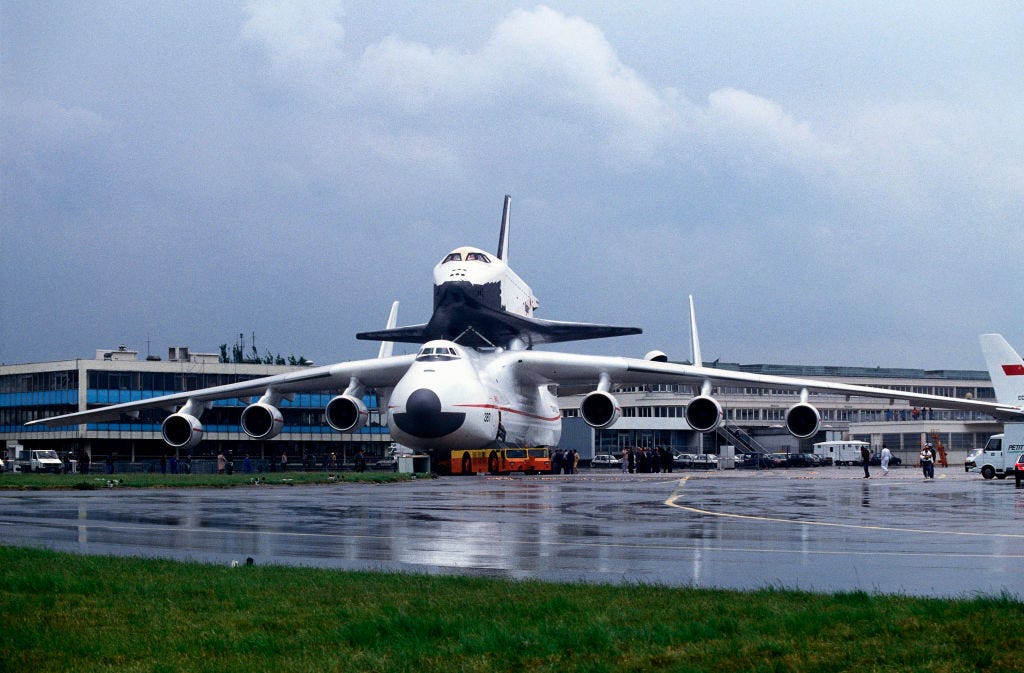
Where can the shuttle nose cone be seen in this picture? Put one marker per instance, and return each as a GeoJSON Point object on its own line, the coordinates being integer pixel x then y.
{"type": "Point", "coordinates": [423, 416]}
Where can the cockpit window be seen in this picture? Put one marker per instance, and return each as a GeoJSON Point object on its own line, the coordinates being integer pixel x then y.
{"type": "Point", "coordinates": [436, 353]}
{"type": "Point", "coordinates": [453, 257]}
{"type": "Point", "coordinates": [477, 257]}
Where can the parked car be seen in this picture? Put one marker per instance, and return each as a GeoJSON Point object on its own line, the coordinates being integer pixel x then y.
{"type": "Point", "coordinates": [605, 460]}
{"type": "Point", "coordinates": [385, 465]}
{"type": "Point", "coordinates": [799, 460]}
{"type": "Point", "coordinates": [705, 461]}
{"type": "Point", "coordinates": [969, 461]}
{"type": "Point", "coordinates": [683, 460]}
{"type": "Point", "coordinates": [755, 461]}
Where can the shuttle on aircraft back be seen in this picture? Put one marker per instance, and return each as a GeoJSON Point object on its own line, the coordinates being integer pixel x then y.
{"type": "Point", "coordinates": [477, 382]}
{"type": "Point", "coordinates": [480, 301]}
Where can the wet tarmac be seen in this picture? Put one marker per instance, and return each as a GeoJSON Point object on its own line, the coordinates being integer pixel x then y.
{"type": "Point", "coordinates": [819, 530]}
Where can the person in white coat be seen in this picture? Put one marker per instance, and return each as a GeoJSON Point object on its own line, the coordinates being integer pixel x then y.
{"type": "Point", "coordinates": [886, 455]}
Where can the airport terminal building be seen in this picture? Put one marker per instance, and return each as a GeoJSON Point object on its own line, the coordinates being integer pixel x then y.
{"type": "Point", "coordinates": [651, 415]}
{"type": "Point", "coordinates": [32, 391]}
{"type": "Point", "coordinates": [754, 418]}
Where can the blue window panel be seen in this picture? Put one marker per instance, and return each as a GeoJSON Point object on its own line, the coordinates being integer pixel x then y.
{"type": "Point", "coordinates": [20, 429]}
{"type": "Point", "coordinates": [39, 398]}
{"type": "Point", "coordinates": [232, 402]}
{"type": "Point", "coordinates": [307, 429]}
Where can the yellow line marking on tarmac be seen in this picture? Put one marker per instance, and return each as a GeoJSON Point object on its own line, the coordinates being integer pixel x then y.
{"type": "Point", "coordinates": [676, 494]}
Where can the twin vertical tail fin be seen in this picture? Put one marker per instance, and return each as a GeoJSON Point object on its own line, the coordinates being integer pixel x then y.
{"type": "Point", "coordinates": [1006, 368]}
{"type": "Point", "coordinates": [694, 341]}
{"type": "Point", "coordinates": [388, 347]}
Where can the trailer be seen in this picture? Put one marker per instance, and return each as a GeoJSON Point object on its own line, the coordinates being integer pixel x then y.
{"type": "Point", "coordinates": [845, 452]}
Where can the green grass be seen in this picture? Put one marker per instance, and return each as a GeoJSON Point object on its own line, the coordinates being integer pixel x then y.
{"type": "Point", "coordinates": [22, 481]}
{"type": "Point", "coordinates": [62, 612]}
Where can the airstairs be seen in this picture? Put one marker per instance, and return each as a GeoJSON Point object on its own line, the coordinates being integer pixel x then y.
{"type": "Point", "coordinates": [741, 439]}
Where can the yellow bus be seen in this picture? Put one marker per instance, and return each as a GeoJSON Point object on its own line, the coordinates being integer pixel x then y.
{"type": "Point", "coordinates": [498, 461]}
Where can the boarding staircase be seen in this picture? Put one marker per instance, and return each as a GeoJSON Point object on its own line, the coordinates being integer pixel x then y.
{"type": "Point", "coordinates": [741, 439]}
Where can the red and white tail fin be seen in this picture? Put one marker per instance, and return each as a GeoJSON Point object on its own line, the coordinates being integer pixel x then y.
{"type": "Point", "coordinates": [1006, 368]}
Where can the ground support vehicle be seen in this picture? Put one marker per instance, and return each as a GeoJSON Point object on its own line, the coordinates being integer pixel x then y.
{"type": "Point", "coordinates": [38, 460]}
{"type": "Point", "coordinates": [531, 460]}
{"type": "Point", "coordinates": [1001, 453]}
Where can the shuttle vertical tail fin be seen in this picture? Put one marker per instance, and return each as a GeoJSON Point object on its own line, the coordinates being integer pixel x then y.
{"type": "Point", "coordinates": [1006, 368]}
{"type": "Point", "coordinates": [503, 236]}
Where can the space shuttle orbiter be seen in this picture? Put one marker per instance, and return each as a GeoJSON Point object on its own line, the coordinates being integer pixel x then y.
{"type": "Point", "coordinates": [480, 301]}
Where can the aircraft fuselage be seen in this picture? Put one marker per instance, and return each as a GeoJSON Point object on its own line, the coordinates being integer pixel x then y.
{"type": "Point", "coordinates": [460, 398]}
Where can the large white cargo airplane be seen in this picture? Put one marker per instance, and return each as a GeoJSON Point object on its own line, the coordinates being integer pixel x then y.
{"type": "Point", "coordinates": [477, 382]}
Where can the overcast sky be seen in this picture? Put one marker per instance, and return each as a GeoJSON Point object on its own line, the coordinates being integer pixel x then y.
{"type": "Point", "coordinates": [835, 182]}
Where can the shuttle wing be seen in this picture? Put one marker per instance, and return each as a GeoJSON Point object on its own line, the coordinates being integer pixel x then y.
{"type": "Point", "coordinates": [476, 325]}
{"type": "Point", "coordinates": [377, 373]}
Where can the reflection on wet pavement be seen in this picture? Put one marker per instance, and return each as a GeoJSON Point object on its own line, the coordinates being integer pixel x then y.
{"type": "Point", "coordinates": [955, 536]}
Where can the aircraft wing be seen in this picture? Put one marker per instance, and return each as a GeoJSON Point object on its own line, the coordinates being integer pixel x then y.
{"type": "Point", "coordinates": [538, 368]}
{"type": "Point", "coordinates": [376, 373]}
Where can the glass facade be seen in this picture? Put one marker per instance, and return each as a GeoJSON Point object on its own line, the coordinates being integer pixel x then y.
{"type": "Point", "coordinates": [31, 395]}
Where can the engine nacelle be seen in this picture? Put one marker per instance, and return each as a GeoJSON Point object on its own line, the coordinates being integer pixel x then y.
{"type": "Point", "coordinates": [262, 420]}
{"type": "Point", "coordinates": [802, 420]}
{"type": "Point", "coordinates": [656, 356]}
{"type": "Point", "coordinates": [182, 431]}
{"type": "Point", "coordinates": [346, 413]}
{"type": "Point", "coordinates": [704, 413]}
{"type": "Point", "coordinates": [600, 409]}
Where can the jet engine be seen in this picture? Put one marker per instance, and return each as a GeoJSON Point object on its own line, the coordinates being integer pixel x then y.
{"type": "Point", "coordinates": [346, 413]}
{"type": "Point", "coordinates": [262, 420]}
{"type": "Point", "coordinates": [182, 431]}
{"type": "Point", "coordinates": [802, 420]}
{"type": "Point", "coordinates": [600, 409]}
{"type": "Point", "coordinates": [704, 413]}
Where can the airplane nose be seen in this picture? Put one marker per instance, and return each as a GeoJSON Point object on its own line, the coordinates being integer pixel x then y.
{"type": "Point", "coordinates": [423, 416]}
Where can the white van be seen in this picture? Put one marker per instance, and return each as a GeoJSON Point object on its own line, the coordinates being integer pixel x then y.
{"type": "Point", "coordinates": [39, 460]}
{"type": "Point", "coordinates": [840, 452]}
{"type": "Point", "coordinates": [1001, 452]}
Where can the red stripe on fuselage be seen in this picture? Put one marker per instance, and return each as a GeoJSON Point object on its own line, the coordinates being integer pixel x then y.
{"type": "Point", "coordinates": [549, 419]}
{"type": "Point", "coordinates": [1013, 370]}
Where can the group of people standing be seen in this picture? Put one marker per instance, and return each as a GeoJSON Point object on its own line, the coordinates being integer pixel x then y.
{"type": "Point", "coordinates": [927, 457]}
{"type": "Point", "coordinates": [226, 463]}
{"type": "Point", "coordinates": [646, 460]}
{"type": "Point", "coordinates": [565, 462]}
